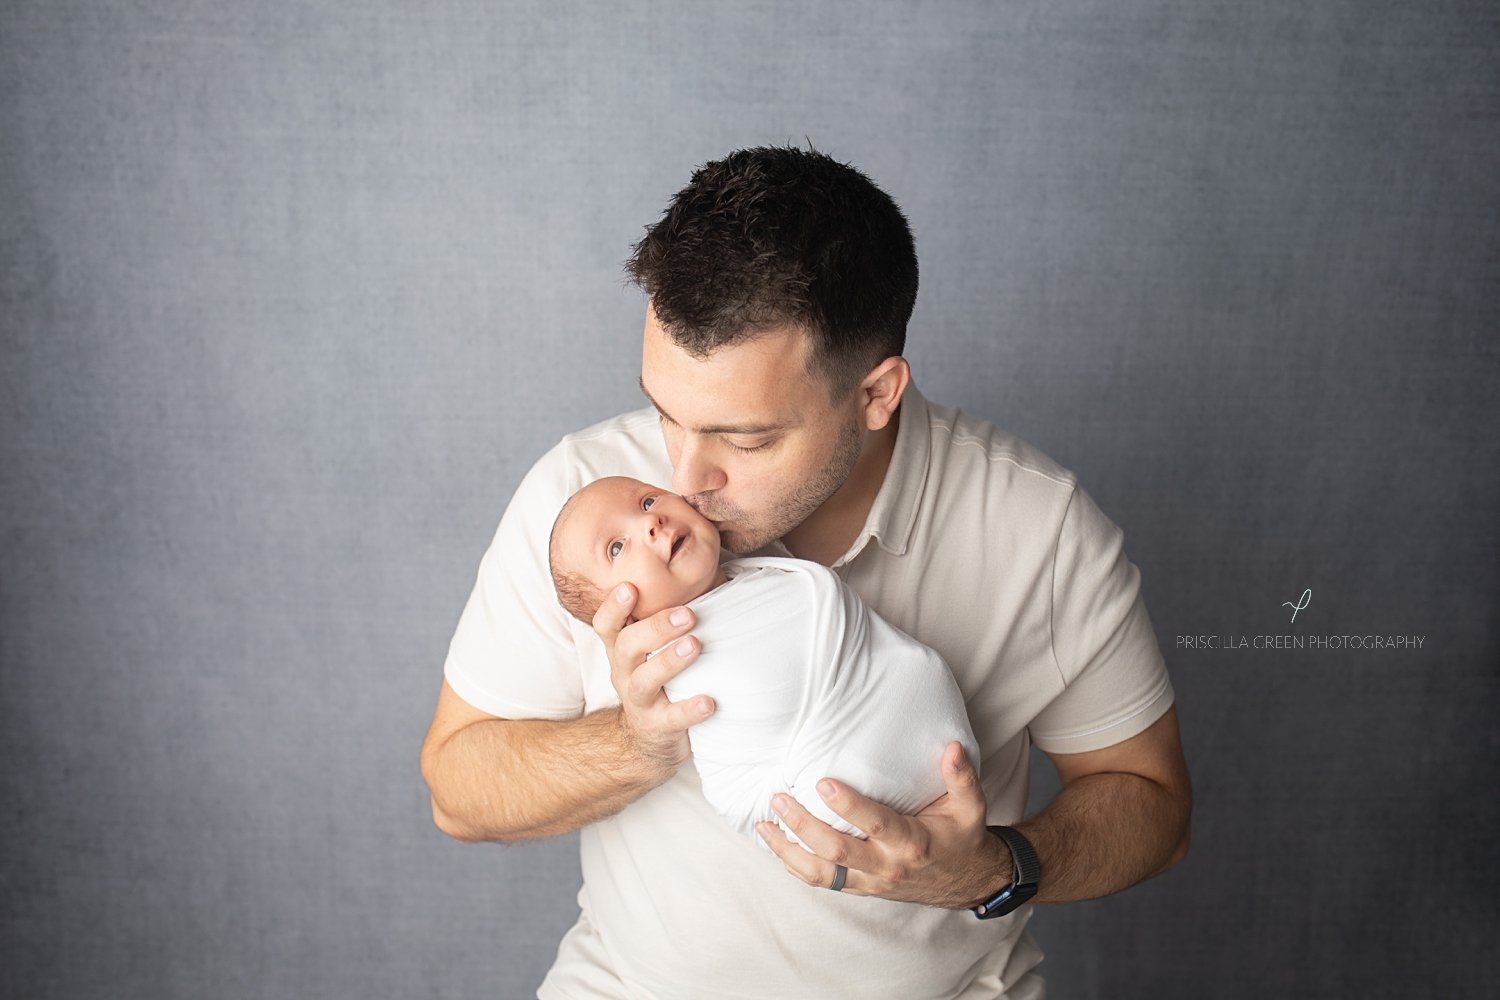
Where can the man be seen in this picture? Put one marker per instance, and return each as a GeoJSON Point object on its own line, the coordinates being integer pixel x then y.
{"type": "Point", "coordinates": [780, 284]}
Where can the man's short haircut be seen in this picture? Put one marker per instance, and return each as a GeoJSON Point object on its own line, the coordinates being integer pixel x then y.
{"type": "Point", "coordinates": [575, 593]}
{"type": "Point", "coordinates": [773, 236]}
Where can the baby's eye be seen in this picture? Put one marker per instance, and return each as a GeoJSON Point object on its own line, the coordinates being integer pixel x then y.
{"type": "Point", "coordinates": [647, 503]}
{"type": "Point", "coordinates": [615, 547]}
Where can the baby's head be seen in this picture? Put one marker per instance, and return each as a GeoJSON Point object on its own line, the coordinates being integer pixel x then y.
{"type": "Point", "coordinates": [618, 530]}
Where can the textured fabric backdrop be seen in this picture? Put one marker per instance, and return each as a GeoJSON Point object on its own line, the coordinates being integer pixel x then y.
{"type": "Point", "coordinates": [294, 293]}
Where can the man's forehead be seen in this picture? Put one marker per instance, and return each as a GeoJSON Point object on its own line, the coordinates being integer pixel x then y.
{"type": "Point", "coordinates": [745, 388]}
{"type": "Point", "coordinates": [714, 416]}
{"type": "Point", "coordinates": [752, 386]}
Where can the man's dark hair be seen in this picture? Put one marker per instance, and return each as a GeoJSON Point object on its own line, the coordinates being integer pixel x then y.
{"type": "Point", "coordinates": [773, 236]}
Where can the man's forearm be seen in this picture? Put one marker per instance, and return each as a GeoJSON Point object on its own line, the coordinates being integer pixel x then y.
{"type": "Point", "coordinates": [524, 779]}
{"type": "Point", "coordinates": [1104, 833]}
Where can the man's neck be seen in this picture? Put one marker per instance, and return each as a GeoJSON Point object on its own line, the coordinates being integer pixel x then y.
{"type": "Point", "coordinates": [831, 529]}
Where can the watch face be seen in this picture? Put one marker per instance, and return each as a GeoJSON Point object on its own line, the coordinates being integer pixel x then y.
{"type": "Point", "coordinates": [991, 906]}
{"type": "Point", "coordinates": [1004, 901]}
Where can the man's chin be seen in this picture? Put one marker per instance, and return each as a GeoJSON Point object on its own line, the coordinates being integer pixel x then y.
{"type": "Point", "coordinates": [739, 543]}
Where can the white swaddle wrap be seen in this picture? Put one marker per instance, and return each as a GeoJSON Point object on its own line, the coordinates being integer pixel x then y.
{"type": "Point", "coordinates": [810, 683]}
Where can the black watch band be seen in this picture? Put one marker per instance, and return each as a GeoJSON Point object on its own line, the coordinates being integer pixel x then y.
{"type": "Point", "coordinates": [1028, 874]}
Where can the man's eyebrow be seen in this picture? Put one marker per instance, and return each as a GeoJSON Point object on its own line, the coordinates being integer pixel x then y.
{"type": "Point", "coordinates": [718, 428]}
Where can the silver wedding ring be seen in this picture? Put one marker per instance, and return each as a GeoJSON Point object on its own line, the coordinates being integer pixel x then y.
{"type": "Point", "coordinates": [840, 873]}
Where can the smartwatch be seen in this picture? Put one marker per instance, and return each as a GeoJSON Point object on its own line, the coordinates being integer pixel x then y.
{"type": "Point", "coordinates": [1023, 885]}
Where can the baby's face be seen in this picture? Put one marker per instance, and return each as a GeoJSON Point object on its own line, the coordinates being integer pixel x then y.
{"type": "Point", "coordinates": [624, 531]}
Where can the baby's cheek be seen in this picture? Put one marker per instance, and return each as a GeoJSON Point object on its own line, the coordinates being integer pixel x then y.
{"type": "Point", "coordinates": [656, 593]}
{"type": "Point", "coordinates": [676, 591]}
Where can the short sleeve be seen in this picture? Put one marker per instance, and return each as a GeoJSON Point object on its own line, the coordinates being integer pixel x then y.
{"type": "Point", "coordinates": [512, 654]}
{"type": "Point", "coordinates": [1115, 682]}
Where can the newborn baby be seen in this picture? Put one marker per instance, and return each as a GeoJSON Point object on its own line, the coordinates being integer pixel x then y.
{"type": "Point", "coordinates": [808, 681]}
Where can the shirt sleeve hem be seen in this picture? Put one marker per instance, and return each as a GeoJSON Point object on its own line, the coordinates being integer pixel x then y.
{"type": "Point", "coordinates": [1117, 731]}
{"type": "Point", "coordinates": [502, 707]}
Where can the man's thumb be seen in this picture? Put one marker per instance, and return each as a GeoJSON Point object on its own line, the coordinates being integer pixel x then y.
{"type": "Point", "coordinates": [962, 779]}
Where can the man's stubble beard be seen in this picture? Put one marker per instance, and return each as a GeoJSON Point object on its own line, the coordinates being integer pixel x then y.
{"type": "Point", "coordinates": [796, 507]}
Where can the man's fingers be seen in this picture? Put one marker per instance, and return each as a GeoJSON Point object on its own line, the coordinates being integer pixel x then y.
{"type": "Point", "coordinates": [630, 643]}
{"type": "Point", "coordinates": [635, 642]}
{"type": "Point", "coordinates": [683, 714]}
{"type": "Point", "coordinates": [647, 680]}
{"type": "Point", "coordinates": [802, 863]}
{"type": "Point", "coordinates": [919, 858]}
{"type": "Point", "coordinates": [614, 612]}
{"type": "Point", "coordinates": [659, 725]}
{"type": "Point", "coordinates": [875, 820]}
{"type": "Point", "coordinates": [820, 838]}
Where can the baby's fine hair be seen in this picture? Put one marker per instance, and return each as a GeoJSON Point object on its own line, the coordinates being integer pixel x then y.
{"type": "Point", "coordinates": [575, 593]}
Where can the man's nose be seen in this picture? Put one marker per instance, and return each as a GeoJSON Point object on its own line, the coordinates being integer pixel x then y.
{"type": "Point", "coordinates": [693, 473]}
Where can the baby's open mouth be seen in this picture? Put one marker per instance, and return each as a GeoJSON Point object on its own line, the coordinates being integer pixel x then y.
{"type": "Point", "coordinates": [681, 540]}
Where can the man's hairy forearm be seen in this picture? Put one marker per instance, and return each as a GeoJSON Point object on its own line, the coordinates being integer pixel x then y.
{"type": "Point", "coordinates": [523, 779]}
{"type": "Point", "coordinates": [1106, 832]}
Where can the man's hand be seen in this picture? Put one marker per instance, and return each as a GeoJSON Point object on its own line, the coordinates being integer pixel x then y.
{"type": "Point", "coordinates": [519, 779]}
{"type": "Point", "coordinates": [1122, 816]}
{"type": "Point", "coordinates": [942, 856]}
{"type": "Point", "coordinates": [654, 726]}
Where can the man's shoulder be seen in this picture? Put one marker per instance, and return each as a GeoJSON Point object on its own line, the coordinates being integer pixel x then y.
{"type": "Point", "coordinates": [629, 444]}
{"type": "Point", "coordinates": [966, 447]}
{"type": "Point", "coordinates": [625, 434]}
{"type": "Point", "coordinates": [630, 424]}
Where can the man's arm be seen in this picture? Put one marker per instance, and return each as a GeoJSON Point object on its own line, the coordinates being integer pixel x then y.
{"type": "Point", "coordinates": [1122, 816]}
{"type": "Point", "coordinates": [520, 779]}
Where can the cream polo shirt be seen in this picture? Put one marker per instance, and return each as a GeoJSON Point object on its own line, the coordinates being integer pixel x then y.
{"type": "Point", "coordinates": [985, 550]}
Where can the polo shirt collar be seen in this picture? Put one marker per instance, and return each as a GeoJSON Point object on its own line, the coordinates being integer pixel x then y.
{"type": "Point", "coordinates": [893, 515]}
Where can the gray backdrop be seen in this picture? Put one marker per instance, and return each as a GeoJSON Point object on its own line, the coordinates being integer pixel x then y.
{"type": "Point", "coordinates": [293, 294]}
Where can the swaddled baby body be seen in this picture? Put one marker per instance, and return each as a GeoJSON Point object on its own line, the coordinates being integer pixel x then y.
{"type": "Point", "coordinates": [808, 681]}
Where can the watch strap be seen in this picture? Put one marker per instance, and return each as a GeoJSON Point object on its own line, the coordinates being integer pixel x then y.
{"type": "Point", "coordinates": [1024, 882]}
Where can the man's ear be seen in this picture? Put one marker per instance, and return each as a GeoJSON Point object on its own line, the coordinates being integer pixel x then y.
{"type": "Point", "coordinates": [883, 388]}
